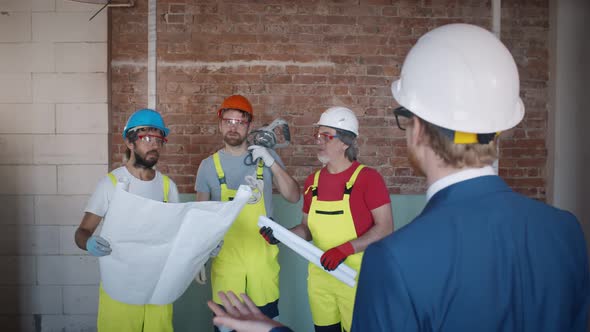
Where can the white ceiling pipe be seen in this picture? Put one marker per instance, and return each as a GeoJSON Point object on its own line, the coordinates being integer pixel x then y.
{"type": "Point", "coordinates": [496, 17]}
{"type": "Point", "coordinates": [152, 40]}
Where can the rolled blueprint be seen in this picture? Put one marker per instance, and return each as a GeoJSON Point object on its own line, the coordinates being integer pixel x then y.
{"type": "Point", "coordinates": [307, 250]}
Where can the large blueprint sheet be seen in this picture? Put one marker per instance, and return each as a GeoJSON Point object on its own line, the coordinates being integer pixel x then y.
{"type": "Point", "coordinates": [158, 248]}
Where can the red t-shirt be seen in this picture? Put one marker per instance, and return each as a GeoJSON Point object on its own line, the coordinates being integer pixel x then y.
{"type": "Point", "coordinates": [369, 192]}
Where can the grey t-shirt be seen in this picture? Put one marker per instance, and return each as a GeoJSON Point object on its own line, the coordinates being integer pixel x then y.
{"type": "Point", "coordinates": [235, 172]}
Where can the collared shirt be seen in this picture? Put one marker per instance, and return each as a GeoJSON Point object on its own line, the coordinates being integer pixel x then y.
{"type": "Point", "coordinates": [457, 177]}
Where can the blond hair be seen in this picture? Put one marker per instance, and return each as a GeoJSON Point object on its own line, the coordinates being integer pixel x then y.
{"type": "Point", "coordinates": [459, 155]}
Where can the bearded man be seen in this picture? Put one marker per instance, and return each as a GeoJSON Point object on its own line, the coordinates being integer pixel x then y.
{"type": "Point", "coordinates": [145, 135]}
{"type": "Point", "coordinates": [246, 263]}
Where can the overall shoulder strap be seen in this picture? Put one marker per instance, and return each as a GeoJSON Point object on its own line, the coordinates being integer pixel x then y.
{"type": "Point", "coordinates": [113, 178]}
{"type": "Point", "coordinates": [260, 170]}
{"type": "Point", "coordinates": [166, 187]}
{"type": "Point", "coordinates": [314, 186]}
{"type": "Point", "coordinates": [219, 171]}
{"type": "Point", "coordinates": [352, 179]}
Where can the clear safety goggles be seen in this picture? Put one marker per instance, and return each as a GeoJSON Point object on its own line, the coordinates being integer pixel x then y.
{"type": "Point", "coordinates": [149, 138]}
{"type": "Point", "coordinates": [235, 122]}
{"type": "Point", "coordinates": [325, 137]}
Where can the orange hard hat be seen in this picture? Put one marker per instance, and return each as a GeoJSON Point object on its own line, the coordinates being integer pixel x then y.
{"type": "Point", "coordinates": [236, 102]}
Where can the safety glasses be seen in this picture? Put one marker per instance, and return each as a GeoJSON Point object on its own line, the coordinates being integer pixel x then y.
{"type": "Point", "coordinates": [149, 138]}
{"type": "Point", "coordinates": [235, 122]}
{"type": "Point", "coordinates": [325, 137]}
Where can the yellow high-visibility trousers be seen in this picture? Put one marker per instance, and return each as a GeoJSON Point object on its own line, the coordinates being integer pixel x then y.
{"type": "Point", "coordinates": [115, 316]}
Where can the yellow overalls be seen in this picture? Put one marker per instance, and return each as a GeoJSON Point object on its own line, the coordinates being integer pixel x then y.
{"type": "Point", "coordinates": [331, 224]}
{"type": "Point", "coordinates": [115, 316]}
{"type": "Point", "coordinates": [246, 263]}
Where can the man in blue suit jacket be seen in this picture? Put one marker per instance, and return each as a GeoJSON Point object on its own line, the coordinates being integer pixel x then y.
{"type": "Point", "coordinates": [480, 257]}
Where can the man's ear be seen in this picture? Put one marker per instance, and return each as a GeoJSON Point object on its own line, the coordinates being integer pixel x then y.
{"type": "Point", "coordinates": [415, 131]}
{"type": "Point", "coordinates": [346, 146]}
{"type": "Point", "coordinates": [129, 145]}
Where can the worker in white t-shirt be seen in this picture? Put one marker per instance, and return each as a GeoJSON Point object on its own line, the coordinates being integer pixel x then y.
{"type": "Point", "coordinates": [145, 135]}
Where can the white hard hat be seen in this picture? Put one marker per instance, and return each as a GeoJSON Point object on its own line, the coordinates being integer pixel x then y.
{"type": "Point", "coordinates": [340, 118]}
{"type": "Point", "coordinates": [461, 77]}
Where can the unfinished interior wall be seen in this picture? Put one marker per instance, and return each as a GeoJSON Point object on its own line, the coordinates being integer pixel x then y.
{"type": "Point", "coordinates": [291, 58]}
{"type": "Point", "coordinates": [294, 59]}
{"type": "Point", "coordinates": [53, 142]}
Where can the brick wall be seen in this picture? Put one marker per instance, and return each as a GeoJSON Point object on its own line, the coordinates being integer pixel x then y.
{"type": "Point", "coordinates": [293, 59]}
{"type": "Point", "coordinates": [523, 153]}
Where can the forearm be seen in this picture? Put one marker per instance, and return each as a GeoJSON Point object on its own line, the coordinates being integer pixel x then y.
{"type": "Point", "coordinates": [87, 227]}
{"type": "Point", "coordinates": [374, 234]}
{"type": "Point", "coordinates": [203, 196]}
{"type": "Point", "coordinates": [302, 231]}
{"type": "Point", "coordinates": [383, 219]}
{"type": "Point", "coordinates": [287, 186]}
{"type": "Point", "coordinates": [81, 237]}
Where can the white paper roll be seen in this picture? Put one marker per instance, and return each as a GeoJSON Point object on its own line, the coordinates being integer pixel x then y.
{"type": "Point", "coordinates": [307, 250]}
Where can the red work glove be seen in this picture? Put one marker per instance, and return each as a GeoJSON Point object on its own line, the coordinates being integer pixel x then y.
{"type": "Point", "coordinates": [266, 233]}
{"type": "Point", "coordinates": [335, 256]}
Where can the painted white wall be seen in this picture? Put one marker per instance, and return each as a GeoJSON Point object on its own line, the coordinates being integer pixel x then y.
{"type": "Point", "coordinates": [569, 119]}
{"type": "Point", "coordinates": [53, 148]}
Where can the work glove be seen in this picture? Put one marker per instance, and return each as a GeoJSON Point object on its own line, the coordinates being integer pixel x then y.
{"type": "Point", "coordinates": [98, 246]}
{"type": "Point", "coordinates": [201, 277]}
{"type": "Point", "coordinates": [261, 152]}
{"type": "Point", "coordinates": [217, 249]}
{"type": "Point", "coordinates": [257, 187]}
{"type": "Point", "coordinates": [266, 233]}
{"type": "Point", "coordinates": [335, 256]}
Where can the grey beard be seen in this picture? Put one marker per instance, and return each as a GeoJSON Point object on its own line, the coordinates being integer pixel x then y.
{"type": "Point", "coordinates": [323, 160]}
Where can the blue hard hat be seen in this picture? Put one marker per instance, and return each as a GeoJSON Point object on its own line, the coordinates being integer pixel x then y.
{"type": "Point", "coordinates": [145, 118]}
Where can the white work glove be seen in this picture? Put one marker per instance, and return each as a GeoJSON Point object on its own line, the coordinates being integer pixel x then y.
{"type": "Point", "coordinates": [257, 187]}
{"type": "Point", "coordinates": [201, 277]}
{"type": "Point", "coordinates": [261, 152]}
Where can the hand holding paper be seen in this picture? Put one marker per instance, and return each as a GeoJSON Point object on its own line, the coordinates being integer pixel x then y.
{"type": "Point", "coordinates": [98, 246]}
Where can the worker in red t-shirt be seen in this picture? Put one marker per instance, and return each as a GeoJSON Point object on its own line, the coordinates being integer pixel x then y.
{"type": "Point", "coordinates": [346, 207]}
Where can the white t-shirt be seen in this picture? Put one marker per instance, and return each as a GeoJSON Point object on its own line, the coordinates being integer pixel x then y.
{"type": "Point", "coordinates": [98, 203]}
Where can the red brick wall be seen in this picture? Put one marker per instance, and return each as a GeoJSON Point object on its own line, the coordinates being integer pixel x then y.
{"type": "Point", "coordinates": [523, 152]}
{"type": "Point", "coordinates": [293, 59]}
